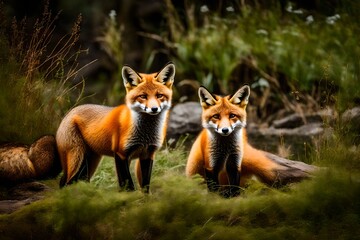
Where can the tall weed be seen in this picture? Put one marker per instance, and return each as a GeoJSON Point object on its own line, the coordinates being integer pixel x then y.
{"type": "Point", "coordinates": [36, 77]}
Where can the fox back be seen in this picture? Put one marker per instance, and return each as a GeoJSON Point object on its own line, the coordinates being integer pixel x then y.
{"type": "Point", "coordinates": [135, 129]}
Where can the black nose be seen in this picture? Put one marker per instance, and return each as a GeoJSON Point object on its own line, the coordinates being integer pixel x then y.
{"type": "Point", "coordinates": [154, 109]}
{"type": "Point", "coordinates": [225, 130]}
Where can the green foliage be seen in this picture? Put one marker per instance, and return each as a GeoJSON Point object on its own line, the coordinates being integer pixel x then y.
{"type": "Point", "coordinates": [211, 53]}
{"type": "Point", "coordinates": [315, 55]}
{"type": "Point", "coordinates": [325, 207]}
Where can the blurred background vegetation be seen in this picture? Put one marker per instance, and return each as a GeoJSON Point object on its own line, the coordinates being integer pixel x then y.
{"type": "Point", "coordinates": [300, 56]}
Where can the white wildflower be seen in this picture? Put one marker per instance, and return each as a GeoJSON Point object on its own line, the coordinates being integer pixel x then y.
{"type": "Point", "coordinates": [309, 19]}
{"type": "Point", "coordinates": [112, 14]}
{"type": "Point", "coordinates": [332, 19]}
{"type": "Point", "coordinates": [204, 9]}
{"type": "Point", "coordinates": [230, 9]}
{"type": "Point", "coordinates": [262, 32]}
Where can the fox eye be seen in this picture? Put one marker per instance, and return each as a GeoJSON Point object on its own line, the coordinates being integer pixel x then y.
{"type": "Point", "coordinates": [232, 115]}
{"type": "Point", "coordinates": [143, 96]}
{"type": "Point", "coordinates": [159, 95]}
{"type": "Point", "coordinates": [216, 116]}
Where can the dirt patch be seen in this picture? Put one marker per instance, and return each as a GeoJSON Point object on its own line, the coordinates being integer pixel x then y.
{"type": "Point", "coordinates": [16, 196]}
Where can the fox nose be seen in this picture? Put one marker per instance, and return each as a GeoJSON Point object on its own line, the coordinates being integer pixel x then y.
{"type": "Point", "coordinates": [225, 130]}
{"type": "Point", "coordinates": [154, 109]}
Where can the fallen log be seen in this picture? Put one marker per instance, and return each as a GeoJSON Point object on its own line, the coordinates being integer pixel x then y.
{"type": "Point", "coordinates": [290, 171]}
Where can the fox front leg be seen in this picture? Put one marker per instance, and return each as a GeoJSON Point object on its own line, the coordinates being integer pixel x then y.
{"type": "Point", "coordinates": [212, 178]}
{"type": "Point", "coordinates": [146, 163]}
{"type": "Point", "coordinates": [233, 171]}
{"type": "Point", "coordinates": [123, 173]}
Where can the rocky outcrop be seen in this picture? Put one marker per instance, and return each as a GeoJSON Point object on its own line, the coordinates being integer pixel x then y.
{"type": "Point", "coordinates": [296, 132]}
{"type": "Point", "coordinates": [351, 119]}
{"type": "Point", "coordinates": [184, 118]}
{"type": "Point", "coordinates": [297, 120]}
{"type": "Point", "coordinates": [350, 122]}
{"type": "Point", "coordinates": [297, 140]}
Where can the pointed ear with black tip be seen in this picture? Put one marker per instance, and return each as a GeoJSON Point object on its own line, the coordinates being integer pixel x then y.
{"type": "Point", "coordinates": [206, 98]}
{"type": "Point", "coordinates": [241, 97]}
{"type": "Point", "coordinates": [166, 75]}
{"type": "Point", "coordinates": [130, 77]}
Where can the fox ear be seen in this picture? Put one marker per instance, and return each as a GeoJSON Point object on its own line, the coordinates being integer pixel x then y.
{"type": "Point", "coordinates": [130, 77]}
{"type": "Point", "coordinates": [241, 97]}
{"type": "Point", "coordinates": [167, 74]}
{"type": "Point", "coordinates": [206, 98]}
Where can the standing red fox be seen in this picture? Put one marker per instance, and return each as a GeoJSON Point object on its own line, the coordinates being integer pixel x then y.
{"type": "Point", "coordinates": [222, 154]}
{"type": "Point", "coordinates": [132, 130]}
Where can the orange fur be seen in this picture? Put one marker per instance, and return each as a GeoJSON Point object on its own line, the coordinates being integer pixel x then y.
{"type": "Point", "coordinates": [228, 113]}
{"type": "Point", "coordinates": [20, 163]}
{"type": "Point", "coordinates": [132, 130]}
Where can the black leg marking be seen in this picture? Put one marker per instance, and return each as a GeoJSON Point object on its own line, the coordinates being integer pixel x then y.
{"type": "Point", "coordinates": [212, 180]}
{"type": "Point", "coordinates": [123, 172]}
{"type": "Point", "coordinates": [63, 180]}
{"type": "Point", "coordinates": [146, 164]}
{"type": "Point", "coordinates": [146, 168]}
{"type": "Point", "coordinates": [233, 172]}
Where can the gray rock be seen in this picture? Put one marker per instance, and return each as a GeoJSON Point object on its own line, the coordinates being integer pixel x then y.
{"type": "Point", "coordinates": [291, 132]}
{"type": "Point", "coordinates": [299, 139]}
{"type": "Point", "coordinates": [184, 118]}
{"type": "Point", "coordinates": [296, 120]}
{"type": "Point", "coordinates": [351, 119]}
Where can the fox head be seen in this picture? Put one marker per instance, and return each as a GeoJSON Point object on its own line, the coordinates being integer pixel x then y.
{"type": "Point", "coordinates": [224, 115]}
{"type": "Point", "coordinates": [149, 93]}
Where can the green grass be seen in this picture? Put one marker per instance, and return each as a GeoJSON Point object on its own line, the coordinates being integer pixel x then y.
{"type": "Point", "coordinates": [326, 207]}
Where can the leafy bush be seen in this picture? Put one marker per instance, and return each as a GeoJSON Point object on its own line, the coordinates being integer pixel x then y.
{"type": "Point", "coordinates": [305, 57]}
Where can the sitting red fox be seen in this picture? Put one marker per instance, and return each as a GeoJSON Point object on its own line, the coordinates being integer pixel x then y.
{"type": "Point", "coordinates": [222, 154]}
{"type": "Point", "coordinates": [133, 130]}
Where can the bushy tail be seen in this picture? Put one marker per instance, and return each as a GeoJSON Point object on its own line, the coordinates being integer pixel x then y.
{"type": "Point", "coordinates": [15, 164]}
{"type": "Point", "coordinates": [20, 163]}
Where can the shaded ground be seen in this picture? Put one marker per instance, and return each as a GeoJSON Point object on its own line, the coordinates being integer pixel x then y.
{"type": "Point", "coordinates": [14, 197]}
